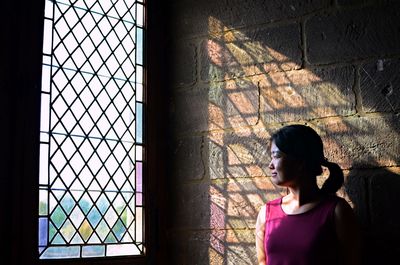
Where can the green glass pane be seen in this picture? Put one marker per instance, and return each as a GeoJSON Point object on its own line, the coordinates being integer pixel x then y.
{"type": "Point", "coordinates": [58, 240]}
{"type": "Point", "coordinates": [111, 238]}
{"type": "Point", "coordinates": [52, 231]}
{"type": "Point", "coordinates": [58, 217]}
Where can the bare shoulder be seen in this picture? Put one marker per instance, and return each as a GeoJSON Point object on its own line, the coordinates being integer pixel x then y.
{"type": "Point", "coordinates": [261, 214]}
{"type": "Point", "coordinates": [262, 209]}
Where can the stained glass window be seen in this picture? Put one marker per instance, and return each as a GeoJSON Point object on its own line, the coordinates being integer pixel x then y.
{"type": "Point", "coordinates": [92, 136]}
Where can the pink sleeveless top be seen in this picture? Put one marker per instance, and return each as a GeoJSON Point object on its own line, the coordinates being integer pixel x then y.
{"type": "Point", "coordinates": [302, 239]}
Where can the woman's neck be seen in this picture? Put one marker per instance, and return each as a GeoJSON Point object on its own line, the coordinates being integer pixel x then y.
{"type": "Point", "coordinates": [303, 194]}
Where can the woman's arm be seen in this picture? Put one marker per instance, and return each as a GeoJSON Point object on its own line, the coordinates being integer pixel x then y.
{"type": "Point", "coordinates": [260, 228]}
{"type": "Point", "coordinates": [348, 232]}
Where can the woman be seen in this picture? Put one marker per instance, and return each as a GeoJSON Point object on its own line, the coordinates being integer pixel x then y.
{"type": "Point", "coordinates": [310, 225]}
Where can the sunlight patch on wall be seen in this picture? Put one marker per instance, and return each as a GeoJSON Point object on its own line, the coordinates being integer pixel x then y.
{"type": "Point", "coordinates": [252, 89]}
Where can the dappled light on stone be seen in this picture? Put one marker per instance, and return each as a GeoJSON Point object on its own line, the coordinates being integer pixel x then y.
{"type": "Point", "coordinates": [256, 71]}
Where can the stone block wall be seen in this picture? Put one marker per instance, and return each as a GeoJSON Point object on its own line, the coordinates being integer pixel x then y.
{"type": "Point", "coordinates": [242, 69]}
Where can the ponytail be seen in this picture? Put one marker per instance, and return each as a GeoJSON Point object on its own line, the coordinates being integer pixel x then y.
{"type": "Point", "coordinates": [335, 179]}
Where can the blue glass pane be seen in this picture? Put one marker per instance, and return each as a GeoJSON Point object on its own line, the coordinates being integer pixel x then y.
{"type": "Point", "coordinates": [94, 217]}
{"type": "Point", "coordinates": [139, 123]}
{"type": "Point", "coordinates": [61, 252]}
{"type": "Point", "coordinates": [93, 251]}
{"type": "Point", "coordinates": [119, 229]}
{"type": "Point", "coordinates": [41, 249]}
{"type": "Point", "coordinates": [103, 204]}
{"type": "Point", "coordinates": [68, 203]}
{"type": "Point", "coordinates": [85, 205]}
{"type": "Point", "coordinates": [43, 226]}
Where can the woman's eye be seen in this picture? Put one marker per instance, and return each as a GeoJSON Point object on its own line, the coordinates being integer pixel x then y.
{"type": "Point", "coordinates": [276, 154]}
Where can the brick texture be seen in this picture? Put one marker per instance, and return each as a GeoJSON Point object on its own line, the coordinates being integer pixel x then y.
{"type": "Point", "coordinates": [240, 153]}
{"type": "Point", "coordinates": [353, 34]}
{"type": "Point", "coordinates": [187, 164]}
{"type": "Point", "coordinates": [222, 105]}
{"type": "Point", "coordinates": [242, 69]}
{"type": "Point", "coordinates": [244, 53]}
{"type": "Point", "coordinates": [380, 86]}
{"type": "Point", "coordinates": [307, 94]}
{"type": "Point", "coordinates": [229, 204]}
{"type": "Point", "coordinates": [194, 18]}
{"type": "Point", "coordinates": [184, 60]}
{"type": "Point", "coordinates": [215, 247]}
{"type": "Point", "coordinates": [362, 142]}
{"type": "Point", "coordinates": [356, 191]}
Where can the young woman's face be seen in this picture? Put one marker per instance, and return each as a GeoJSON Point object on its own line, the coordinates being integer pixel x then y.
{"type": "Point", "coordinates": [284, 169]}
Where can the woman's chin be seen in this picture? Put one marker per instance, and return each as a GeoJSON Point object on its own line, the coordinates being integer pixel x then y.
{"type": "Point", "coordinates": [274, 179]}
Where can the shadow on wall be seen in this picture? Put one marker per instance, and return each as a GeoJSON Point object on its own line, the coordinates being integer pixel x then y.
{"type": "Point", "coordinates": [254, 80]}
{"type": "Point", "coordinates": [377, 212]}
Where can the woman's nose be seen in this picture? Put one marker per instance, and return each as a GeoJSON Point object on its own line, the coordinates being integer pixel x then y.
{"type": "Point", "coordinates": [271, 166]}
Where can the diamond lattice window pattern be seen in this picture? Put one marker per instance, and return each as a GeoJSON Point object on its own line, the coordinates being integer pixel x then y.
{"type": "Point", "coordinates": [91, 134]}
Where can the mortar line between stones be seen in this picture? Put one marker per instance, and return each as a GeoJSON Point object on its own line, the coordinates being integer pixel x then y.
{"type": "Point", "coordinates": [357, 91]}
{"type": "Point", "coordinates": [202, 156]}
{"type": "Point", "coordinates": [303, 39]}
{"type": "Point", "coordinates": [259, 104]}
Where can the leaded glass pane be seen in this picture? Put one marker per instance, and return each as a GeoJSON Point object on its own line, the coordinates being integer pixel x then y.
{"type": "Point", "coordinates": [92, 130]}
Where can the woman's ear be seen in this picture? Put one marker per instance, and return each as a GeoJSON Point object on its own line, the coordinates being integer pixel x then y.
{"type": "Point", "coordinates": [301, 166]}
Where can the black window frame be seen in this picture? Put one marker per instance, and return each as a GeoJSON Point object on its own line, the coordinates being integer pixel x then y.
{"type": "Point", "coordinates": [20, 79]}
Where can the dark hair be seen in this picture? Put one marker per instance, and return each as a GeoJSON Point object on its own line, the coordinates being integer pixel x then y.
{"type": "Point", "coordinates": [302, 142]}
